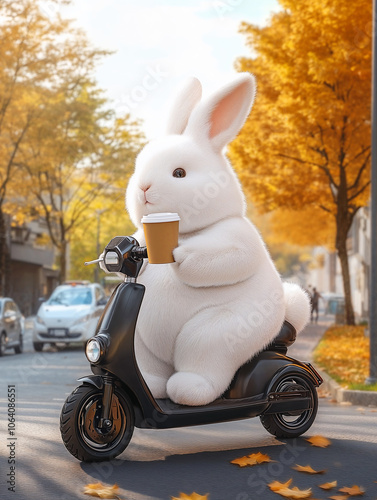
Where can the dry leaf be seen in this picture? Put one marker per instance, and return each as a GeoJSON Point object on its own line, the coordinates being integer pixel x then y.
{"type": "Point", "coordinates": [308, 469]}
{"type": "Point", "coordinates": [328, 486]}
{"type": "Point", "coordinates": [253, 459]}
{"type": "Point", "coordinates": [101, 491]}
{"type": "Point", "coordinates": [244, 461]}
{"type": "Point", "coordinates": [339, 497]}
{"type": "Point", "coordinates": [276, 486]}
{"type": "Point", "coordinates": [193, 496]}
{"type": "Point", "coordinates": [320, 441]}
{"type": "Point", "coordinates": [294, 492]}
{"type": "Point", "coordinates": [261, 458]}
{"type": "Point", "coordinates": [354, 491]}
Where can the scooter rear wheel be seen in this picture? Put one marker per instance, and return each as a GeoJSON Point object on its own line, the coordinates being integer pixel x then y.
{"type": "Point", "coordinates": [290, 425]}
{"type": "Point", "coordinates": [79, 424]}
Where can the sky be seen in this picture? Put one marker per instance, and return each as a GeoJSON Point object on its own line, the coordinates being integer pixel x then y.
{"type": "Point", "coordinates": [158, 44]}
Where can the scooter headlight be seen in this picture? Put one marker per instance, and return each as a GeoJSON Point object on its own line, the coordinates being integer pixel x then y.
{"type": "Point", "coordinates": [93, 350]}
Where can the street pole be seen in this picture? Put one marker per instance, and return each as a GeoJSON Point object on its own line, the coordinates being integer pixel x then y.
{"type": "Point", "coordinates": [373, 211]}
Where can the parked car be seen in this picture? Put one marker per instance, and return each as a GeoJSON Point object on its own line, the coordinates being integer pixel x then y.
{"type": "Point", "coordinates": [11, 326]}
{"type": "Point", "coordinates": [69, 315]}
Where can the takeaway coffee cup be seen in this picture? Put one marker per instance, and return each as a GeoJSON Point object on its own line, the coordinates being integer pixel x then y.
{"type": "Point", "coordinates": [161, 235]}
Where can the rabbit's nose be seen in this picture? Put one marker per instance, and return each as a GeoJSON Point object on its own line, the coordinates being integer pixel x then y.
{"type": "Point", "coordinates": [145, 189]}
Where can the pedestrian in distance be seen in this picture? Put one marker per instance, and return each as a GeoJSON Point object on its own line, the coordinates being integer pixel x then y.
{"type": "Point", "coordinates": [315, 296]}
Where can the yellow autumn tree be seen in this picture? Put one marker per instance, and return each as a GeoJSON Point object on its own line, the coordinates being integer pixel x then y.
{"type": "Point", "coordinates": [61, 144]}
{"type": "Point", "coordinates": [79, 163]}
{"type": "Point", "coordinates": [36, 54]}
{"type": "Point", "coordinates": [307, 141]}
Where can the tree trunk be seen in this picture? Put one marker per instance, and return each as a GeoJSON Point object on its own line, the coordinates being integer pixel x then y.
{"type": "Point", "coordinates": [63, 261]}
{"type": "Point", "coordinates": [4, 257]}
{"type": "Point", "coordinates": [341, 246]}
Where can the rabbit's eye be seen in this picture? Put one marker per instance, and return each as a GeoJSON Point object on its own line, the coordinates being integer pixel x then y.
{"type": "Point", "coordinates": [179, 172]}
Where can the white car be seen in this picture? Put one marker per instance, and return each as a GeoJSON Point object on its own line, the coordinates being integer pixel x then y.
{"type": "Point", "coordinates": [70, 315]}
{"type": "Point", "coordinates": [11, 326]}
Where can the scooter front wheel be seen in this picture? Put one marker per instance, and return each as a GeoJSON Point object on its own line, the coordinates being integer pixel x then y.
{"type": "Point", "coordinates": [79, 424]}
{"type": "Point", "coordinates": [292, 424]}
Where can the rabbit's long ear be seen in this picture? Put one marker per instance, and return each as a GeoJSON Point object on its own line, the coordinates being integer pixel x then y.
{"type": "Point", "coordinates": [220, 118]}
{"type": "Point", "coordinates": [183, 105]}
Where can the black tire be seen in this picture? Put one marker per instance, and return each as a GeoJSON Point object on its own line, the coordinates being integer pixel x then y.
{"type": "Point", "coordinates": [78, 427]}
{"type": "Point", "coordinates": [18, 349]}
{"type": "Point", "coordinates": [38, 346]}
{"type": "Point", "coordinates": [291, 425]}
{"type": "Point", "coordinates": [3, 346]}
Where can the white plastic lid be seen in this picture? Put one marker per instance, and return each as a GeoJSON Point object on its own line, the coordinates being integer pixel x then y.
{"type": "Point", "coordinates": [160, 217]}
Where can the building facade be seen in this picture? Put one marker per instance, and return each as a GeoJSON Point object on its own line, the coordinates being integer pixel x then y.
{"type": "Point", "coordinates": [327, 277]}
{"type": "Point", "coordinates": [33, 274]}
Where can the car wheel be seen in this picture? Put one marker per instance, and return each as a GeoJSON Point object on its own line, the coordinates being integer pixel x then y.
{"type": "Point", "coordinates": [18, 349]}
{"type": "Point", "coordinates": [3, 344]}
{"type": "Point", "coordinates": [38, 346]}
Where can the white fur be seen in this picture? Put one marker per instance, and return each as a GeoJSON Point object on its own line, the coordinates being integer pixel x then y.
{"type": "Point", "coordinates": [222, 300]}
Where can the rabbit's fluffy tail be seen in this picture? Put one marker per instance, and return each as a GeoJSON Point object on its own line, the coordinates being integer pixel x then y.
{"type": "Point", "coordinates": [297, 306]}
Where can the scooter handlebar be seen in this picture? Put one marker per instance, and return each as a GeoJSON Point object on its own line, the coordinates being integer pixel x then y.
{"type": "Point", "coordinates": [122, 254]}
{"type": "Point", "coordinates": [139, 253]}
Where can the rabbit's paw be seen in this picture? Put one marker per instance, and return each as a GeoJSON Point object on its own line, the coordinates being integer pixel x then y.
{"type": "Point", "coordinates": [181, 253]}
{"type": "Point", "coordinates": [190, 389]}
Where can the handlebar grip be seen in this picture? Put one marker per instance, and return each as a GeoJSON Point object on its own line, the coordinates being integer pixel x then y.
{"type": "Point", "coordinates": [139, 253]}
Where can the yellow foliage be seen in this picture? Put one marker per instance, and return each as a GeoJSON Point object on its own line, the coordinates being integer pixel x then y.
{"type": "Point", "coordinates": [61, 149]}
{"type": "Point", "coordinates": [193, 496]}
{"type": "Point", "coordinates": [276, 485]}
{"type": "Point", "coordinates": [306, 227]}
{"type": "Point", "coordinates": [102, 491]}
{"type": "Point", "coordinates": [320, 441]}
{"type": "Point", "coordinates": [306, 144]}
{"type": "Point", "coordinates": [253, 459]}
{"type": "Point", "coordinates": [354, 491]}
{"type": "Point", "coordinates": [344, 353]}
{"type": "Point", "coordinates": [328, 486]}
{"type": "Point", "coordinates": [308, 469]}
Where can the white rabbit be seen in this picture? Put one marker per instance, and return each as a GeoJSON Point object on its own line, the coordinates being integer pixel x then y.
{"type": "Point", "coordinates": [222, 301]}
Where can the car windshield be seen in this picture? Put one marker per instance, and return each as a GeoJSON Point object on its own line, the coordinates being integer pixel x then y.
{"type": "Point", "coordinates": [71, 297]}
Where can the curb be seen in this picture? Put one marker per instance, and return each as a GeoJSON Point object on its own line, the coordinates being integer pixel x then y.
{"type": "Point", "coordinates": [361, 398]}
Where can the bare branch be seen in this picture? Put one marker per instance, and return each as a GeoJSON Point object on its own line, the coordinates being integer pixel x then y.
{"type": "Point", "coordinates": [318, 165]}
{"type": "Point", "coordinates": [325, 209]}
{"type": "Point", "coordinates": [360, 172]}
{"type": "Point", "coordinates": [358, 192]}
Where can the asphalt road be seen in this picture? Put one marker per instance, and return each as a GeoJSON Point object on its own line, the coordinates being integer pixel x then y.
{"type": "Point", "coordinates": [161, 464]}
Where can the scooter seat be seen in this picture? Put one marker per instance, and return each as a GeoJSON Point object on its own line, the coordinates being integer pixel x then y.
{"type": "Point", "coordinates": [284, 338]}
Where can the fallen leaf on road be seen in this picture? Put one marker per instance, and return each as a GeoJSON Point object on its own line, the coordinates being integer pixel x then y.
{"type": "Point", "coordinates": [329, 486]}
{"type": "Point", "coordinates": [193, 496]}
{"type": "Point", "coordinates": [253, 459]}
{"type": "Point", "coordinates": [101, 491]}
{"type": "Point", "coordinates": [320, 441]}
{"type": "Point", "coordinates": [244, 461]}
{"type": "Point", "coordinates": [339, 497]}
{"type": "Point", "coordinates": [294, 492]}
{"type": "Point", "coordinates": [261, 458]}
{"type": "Point", "coordinates": [276, 486]}
{"type": "Point", "coordinates": [354, 491]}
{"type": "Point", "coordinates": [308, 469]}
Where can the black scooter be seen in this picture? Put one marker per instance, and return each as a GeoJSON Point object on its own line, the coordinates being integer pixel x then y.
{"type": "Point", "coordinates": [98, 418]}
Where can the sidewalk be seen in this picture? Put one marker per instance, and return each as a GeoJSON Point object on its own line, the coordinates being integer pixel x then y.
{"type": "Point", "coordinates": [303, 349]}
